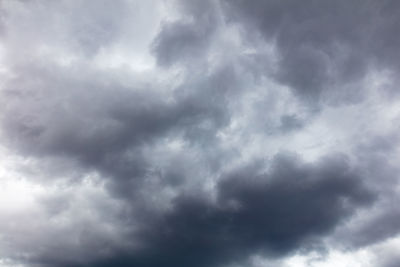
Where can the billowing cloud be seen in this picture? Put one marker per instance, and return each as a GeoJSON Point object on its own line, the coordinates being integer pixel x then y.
{"type": "Point", "coordinates": [199, 133]}
{"type": "Point", "coordinates": [323, 46]}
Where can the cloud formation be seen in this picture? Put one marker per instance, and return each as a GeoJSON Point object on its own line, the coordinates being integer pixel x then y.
{"type": "Point", "coordinates": [198, 133]}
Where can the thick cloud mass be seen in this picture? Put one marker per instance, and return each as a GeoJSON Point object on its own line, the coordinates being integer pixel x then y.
{"type": "Point", "coordinates": [214, 133]}
{"type": "Point", "coordinates": [324, 45]}
{"type": "Point", "coordinates": [268, 213]}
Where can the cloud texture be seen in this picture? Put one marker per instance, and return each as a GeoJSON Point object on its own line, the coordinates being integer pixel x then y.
{"type": "Point", "coordinates": [214, 133]}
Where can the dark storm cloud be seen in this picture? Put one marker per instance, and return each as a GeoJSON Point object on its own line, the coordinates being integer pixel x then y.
{"type": "Point", "coordinates": [159, 165]}
{"type": "Point", "coordinates": [59, 116]}
{"type": "Point", "coordinates": [323, 46]}
{"type": "Point", "coordinates": [290, 207]}
{"type": "Point", "coordinates": [384, 222]}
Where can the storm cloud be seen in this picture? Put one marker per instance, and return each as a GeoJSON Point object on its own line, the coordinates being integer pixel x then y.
{"type": "Point", "coordinates": [199, 133]}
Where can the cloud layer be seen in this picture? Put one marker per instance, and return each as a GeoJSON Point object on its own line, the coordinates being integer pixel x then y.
{"type": "Point", "coordinates": [199, 133]}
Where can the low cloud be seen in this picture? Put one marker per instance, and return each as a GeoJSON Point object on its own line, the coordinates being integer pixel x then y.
{"type": "Point", "coordinates": [188, 133]}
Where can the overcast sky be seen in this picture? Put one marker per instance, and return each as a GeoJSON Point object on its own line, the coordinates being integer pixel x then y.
{"type": "Point", "coordinates": [199, 133]}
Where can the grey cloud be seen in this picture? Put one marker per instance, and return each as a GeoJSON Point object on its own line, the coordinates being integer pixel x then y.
{"type": "Point", "coordinates": [177, 165]}
{"type": "Point", "coordinates": [80, 28]}
{"type": "Point", "coordinates": [1, 22]}
{"type": "Point", "coordinates": [385, 224]}
{"type": "Point", "coordinates": [323, 46]}
{"type": "Point", "coordinates": [97, 23]}
{"type": "Point", "coordinates": [269, 213]}
{"type": "Point", "coordinates": [392, 262]}
{"type": "Point", "coordinates": [290, 123]}
{"type": "Point", "coordinates": [59, 117]}
{"type": "Point", "coordinates": [386, 255]}
{"type": "Point", "coordinates": [382, 220]}
{"type": "Point", "coordinates": [180, 40]}
{"type": "Point", "coordinates": [188, 38]}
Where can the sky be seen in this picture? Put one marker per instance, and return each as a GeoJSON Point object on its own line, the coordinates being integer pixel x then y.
{"type": "Point", "coordinates": [213, 133]}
